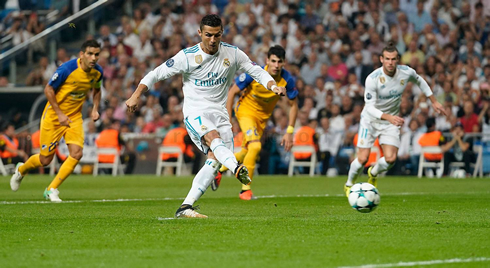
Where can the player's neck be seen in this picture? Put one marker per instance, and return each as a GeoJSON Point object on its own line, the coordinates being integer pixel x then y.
{"type": "Point", "coordinates": [388, 73]}
{"type": "Point", "coordinates": [84, 67]}
{"type": "Point", "coordinates": [205, 50]}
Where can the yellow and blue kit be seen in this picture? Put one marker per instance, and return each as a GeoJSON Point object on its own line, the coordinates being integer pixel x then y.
{"type": "Point", "coordinates": [256, 104]}
{"type": "Point", "coordinates": [72, 86]}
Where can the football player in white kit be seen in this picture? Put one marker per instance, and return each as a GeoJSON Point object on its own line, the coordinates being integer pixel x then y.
{"type": "Point", "coordinates": [207, 69]}
{"type": "Point", "coordinates": [379, 118]}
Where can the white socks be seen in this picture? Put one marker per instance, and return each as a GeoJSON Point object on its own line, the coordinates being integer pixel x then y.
{"type": "Point", "coordinates": [223, 154]}
{"type": "Point", "coordinates": [201, 181]}
{"type": "Point", "coordinates": [355, 168]}
{"type": "Point", "coordinates": [380, 166]}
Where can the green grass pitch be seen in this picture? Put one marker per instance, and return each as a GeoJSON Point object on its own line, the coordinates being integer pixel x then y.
{"type": "Point", "coordinates": [296, 222]}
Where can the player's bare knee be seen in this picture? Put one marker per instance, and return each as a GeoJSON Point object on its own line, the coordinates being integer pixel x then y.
{"type": "Point", "coordinates": [45, 160]}
{"type": "Point", "coordinates": [390, 159]}
{"type": "Point", "coordinates": [211, 155]}
{"type": "Point", "coordinates": [77, 154]}
{"type": "Point", "coordinates": [210, 136]}
{"type": "Point", "coordinates": [362, 159]}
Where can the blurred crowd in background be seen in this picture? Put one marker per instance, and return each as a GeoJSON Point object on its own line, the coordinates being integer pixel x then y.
{"type": "Point", "coordinates": [331, 47]}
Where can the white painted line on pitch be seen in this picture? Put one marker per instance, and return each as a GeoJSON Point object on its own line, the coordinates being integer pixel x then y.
{"type": "Point", "coordinates": [180, 198]}
{"type": "Point", "coordinates": [417, 263]}
{"type": "Point", "coordinates": [166, 219]}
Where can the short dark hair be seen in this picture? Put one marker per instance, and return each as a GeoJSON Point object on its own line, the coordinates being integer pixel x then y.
{"type": "Point", "coordinates": [278, 51]}
{"type": "Point", "coordinates": [212, 20]}
{"type": "Point", "coordinates": [431, 122]}
{"type": "Point", "coordinates": [391, 47]}
{"type": "Point", "coordinates": [89, 43]}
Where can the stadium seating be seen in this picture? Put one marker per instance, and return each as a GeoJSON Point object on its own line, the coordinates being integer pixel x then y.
{"type": "Point", "coordinates": [425, 164]}
{"type": "Point", "coordinates": [477, 166]}
{"type": "Point", "coordinates": [295, 163]}
{"type": "Point", "coordinates": [162, 163]}
{"type": "Point", "coordinates": [116, 166]}
{"type": "Point", "coordinates": [6, 169]}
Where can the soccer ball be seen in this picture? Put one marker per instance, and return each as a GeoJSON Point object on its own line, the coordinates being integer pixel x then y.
{"type": "Point", "coordinates": [363, 197]}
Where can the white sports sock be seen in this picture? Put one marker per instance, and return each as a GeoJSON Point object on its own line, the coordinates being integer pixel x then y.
{"type": "Point", "coordinates": [380, 166]}
{"type": "Point", "coordinates": [354, 170]}
{"type": "Point", "coordinates": [201, 181]}
{"type": "Point", "coordinates": [223, 154]}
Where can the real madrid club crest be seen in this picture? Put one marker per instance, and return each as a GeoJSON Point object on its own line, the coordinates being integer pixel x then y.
{"type": "Point", "coordinates": [382, 79]}
{"type": "Point", "coordinates": [402, 82]}
{"type": "Point", "coordinates": [362, 142]}
{"type": "Point", "coordinates": [204, 128]}
{"type": "Point", "coordinates": [226, 63]}
{"type": "Point", "coordinates": [198, 59]}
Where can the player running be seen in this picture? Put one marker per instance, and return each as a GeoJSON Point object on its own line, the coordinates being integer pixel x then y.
{"type": "Point", "coordinates": [379, 118]}
{"type": "Point", "coordinates": [207, 71]}
{"type": "Point", "coordinates": [253, 110]}
{"type": "Point", "coordinates": [62, 117]}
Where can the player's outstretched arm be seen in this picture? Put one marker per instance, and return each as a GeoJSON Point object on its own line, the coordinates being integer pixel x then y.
{"type": "Point", "coordinates": [287, 139]}
{"type": "Point", "coordinates": [51, 96]}
{"type": "Point", "coordinates": [271, 85]}
{"type": "Point", "coordinates": [234, 90]}
{"type": "Point", "coordinates": [395, 120]}
{"type": "Point", "coordinates": [132, 102]}
{"type": "Point", "coordinates": [437, 106]}
{"type": "Point", "coordinates": [95, 109]}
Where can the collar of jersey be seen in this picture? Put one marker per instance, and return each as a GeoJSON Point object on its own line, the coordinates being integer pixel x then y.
{"type": "Point", "coordinates": [213, 55]}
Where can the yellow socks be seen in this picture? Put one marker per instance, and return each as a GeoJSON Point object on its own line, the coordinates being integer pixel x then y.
{"type": "Point", "coordinates": [250, 159]}
{"type": "Point", "coordinates": [31, 163]}
{"type": "Point", "coordinates": [239, 157]}
{"type": "Point", "coordinates": [65, 171]}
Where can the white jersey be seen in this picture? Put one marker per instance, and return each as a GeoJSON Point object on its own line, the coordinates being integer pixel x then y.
{"type": "Point", "coordinates": [207, 78]}
{"type": "Point", "coordinates": [383, 93]}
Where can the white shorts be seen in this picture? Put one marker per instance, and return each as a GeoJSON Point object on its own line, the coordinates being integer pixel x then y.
{"type": "Point", "coordinates": [200, 123]}
{"type": "Point", "coordinates": [368, 132]}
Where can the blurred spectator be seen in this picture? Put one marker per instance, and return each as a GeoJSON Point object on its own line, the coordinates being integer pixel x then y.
{"type": "Point", "coordinates": [469, 121]}
{"type": "Point", "coordinates": [105, 34]}
{"type": "Point", "coordinates": [10, 152]}
{"type": "Point", "coordinates": [458, 148]}
{"type": "Point", "coordinates": [409, 152]}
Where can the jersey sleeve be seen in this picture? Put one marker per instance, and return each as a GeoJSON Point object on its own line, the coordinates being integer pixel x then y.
{"type": "Point", "coordinates": [243, 81]}
{"type": "Point", "coordinates": [98, 84]}
{"type": "Point", "coordinates": [370, 97]}
{"type": "Point", "coordinates": [258, 74]}
{"type": "Point", "coordinates": [175, 65]}
{"type": "Point", "coordinates": [291, 90]}
{"type": "Point", "coordinates": [59, 77]}
{"type": "Point", "coordinates": [417, 79]}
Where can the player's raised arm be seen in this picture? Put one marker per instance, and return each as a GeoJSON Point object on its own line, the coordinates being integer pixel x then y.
{"type": "Point", "coordinates": [260, 75]}
{"type": "Point", "coordinates": [171, 67]}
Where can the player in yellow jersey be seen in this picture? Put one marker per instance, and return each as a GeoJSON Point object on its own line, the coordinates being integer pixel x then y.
{"type": "Point", "coordinates": [66, 92]}
{"type": "Point", "coordinates": [254, 109]}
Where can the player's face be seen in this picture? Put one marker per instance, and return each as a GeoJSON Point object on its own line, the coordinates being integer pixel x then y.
{"type": "Point", "coordinates": [275, 65]}
{"type": "Point", "coordinates": [211, 38]}
{"type": "Point", "coordinates": [90, 56]}
{"type": "Point", "coordinates": [389, 61]}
